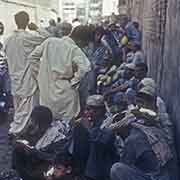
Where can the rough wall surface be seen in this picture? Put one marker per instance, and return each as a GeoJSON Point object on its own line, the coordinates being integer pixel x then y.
{"type": "Point", "coordinates": [161, 44]}
{"type": "Point", "coordinates": [170, 83]}
{"type": "Point", "coordinates": [153, 35]}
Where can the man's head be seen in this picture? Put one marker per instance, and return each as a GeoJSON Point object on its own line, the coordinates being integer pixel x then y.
{"type": "Point", "coordinates": [147, 93]}
{"type": "Point", "coordinates": [63, 29]}
{"type": "Point", "coordinates": [75, 20]}
{"type": "Point", "coordinates": [58, 20]}
{"type": "Point", "coordinates": [81, 35]}
{"type": "Point", "coordinates": [52, 22]}
{"type": "Point", "coordinates": [95, 108]}
{"type": "Point", "coordinates": [113, 27]}
{"type": "Point", "coordinates": [141, 71]}
{"type": "Point", "coordinates": [32, 27]}
{"type": "Point", "coordinates": [42, 118]}
{"type": "Point", "coordinates": [22, 19]}
{"type": "Point", "coordinates": [99, 32]}
{"type": "Point", "coordinates": [138, 58]}
{"type": "Point", "coordinates": [143, 100]}
{"type": "Point", "coordinates": [130, 57]}
{"type": "Point", "coordinates": [1, 28]}
{"type": "Point", "coordinates": [129, 71]}
{"type": "Point", "coordinates": [136, 24]}
{"type": "Point", "coordinates": [63, 166]}
{"type": "Point", "coordinates": [124, 21]}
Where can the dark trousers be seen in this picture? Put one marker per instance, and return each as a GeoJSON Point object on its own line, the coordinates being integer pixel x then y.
{"type": "Point", "coordinates": [27, 167]}
{"type": "Point", "coordinates": [121, 171]}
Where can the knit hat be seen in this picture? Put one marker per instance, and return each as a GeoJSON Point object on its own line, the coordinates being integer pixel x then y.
{"type": "Point", "coordinates": [148, 86]}
{"type": "Point", "coordinates": [95, 100]}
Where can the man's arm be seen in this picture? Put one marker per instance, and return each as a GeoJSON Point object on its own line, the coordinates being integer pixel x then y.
{"type": "Point", "coordinates": [34, 59]}
{"type": "Point", "coordinates": [81, 66]}
{"type": "Point", "coordinates": [120, 88]}
{"type": "Point", "coordinates": [34, 40]}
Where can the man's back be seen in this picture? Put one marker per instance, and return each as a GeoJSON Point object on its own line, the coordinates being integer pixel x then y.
{"type": "Point", "coordinates": [17, 48]}
{"type": "Point", "coordinates": [62, 65]}
{"type": "Point", "coordinates": [16, 52]}
{"type": "Point", "coordinates": [59, 59]}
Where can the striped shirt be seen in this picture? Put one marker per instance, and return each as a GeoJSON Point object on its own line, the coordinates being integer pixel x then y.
{"type": "Point", "coordinates": [3, 63]}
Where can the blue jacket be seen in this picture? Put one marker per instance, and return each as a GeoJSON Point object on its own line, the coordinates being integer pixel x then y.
{"type": "Point", "coordinates": [102, 154]}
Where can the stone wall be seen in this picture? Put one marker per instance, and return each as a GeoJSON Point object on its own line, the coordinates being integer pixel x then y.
{"type": "Point", "coordinates": [154, 22]}
{"type": "Point", "coordinates": [160, 20]}
{"type": "Point", "coordinates": [170, 77]}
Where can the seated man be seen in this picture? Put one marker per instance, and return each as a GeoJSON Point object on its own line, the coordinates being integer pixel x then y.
{"type": "Point", "coordinates": [147, 154]}
{"type": "Point", "coordinates": [100, 152]}
{"type": "Point", "coordinates": [140, 72]}
{"type": "Point", "coordinates": [146, 86]}
{"type": "Point", "coordinates": [111, 41]}
{"type": "Point", "coordinates": [39, 144]}
{"type": "Point", "coordinates": [128, 88]}
{"type": "Point", "coordinates": [28, 161]}
{"type": "Point", "coordinates": [117, 92]}
{"type": "Point", "coordinates": [133, 32]}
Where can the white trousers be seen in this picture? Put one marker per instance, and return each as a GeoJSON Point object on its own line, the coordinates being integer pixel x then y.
{"type": "Point", "coordinates": [22, 111]}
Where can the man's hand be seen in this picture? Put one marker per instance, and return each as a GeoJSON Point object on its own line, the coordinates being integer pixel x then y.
{"type": "Point", "coordinates": [121, 124]}
{"type": "Point", "coordinates": [107, 93]}
{"type": "Point", "coordinates": [23, 145]}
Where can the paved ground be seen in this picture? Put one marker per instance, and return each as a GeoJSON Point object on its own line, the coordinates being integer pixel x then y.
{"type": "Point", "coordinates": [5, 147]}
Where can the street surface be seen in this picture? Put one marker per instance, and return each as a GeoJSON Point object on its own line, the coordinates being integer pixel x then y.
{"type": "Point", "coordinates": [5, 147]}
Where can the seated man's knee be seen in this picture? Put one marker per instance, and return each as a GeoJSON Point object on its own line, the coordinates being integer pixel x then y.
{"type": "Point", "coordinates": [118, 97]}
{"type": "Point", "coordinates": [130, 96]}
{"type": "Point", "coordinates": [119, 171]}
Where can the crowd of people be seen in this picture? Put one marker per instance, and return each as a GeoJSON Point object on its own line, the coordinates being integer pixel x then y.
{"type": "Point", "coordinates": [84, 107]}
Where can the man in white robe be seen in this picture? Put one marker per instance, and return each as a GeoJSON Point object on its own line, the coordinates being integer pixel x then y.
{"type": "Point", "coordinates": [17, 48]}
{"type": "Point", "coordinates": [61, 68]}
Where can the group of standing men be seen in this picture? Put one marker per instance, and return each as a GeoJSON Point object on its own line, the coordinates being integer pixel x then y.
{"type": "Point", "coordinates": [46, 70]}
